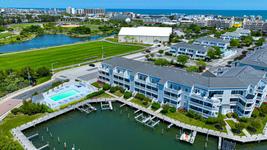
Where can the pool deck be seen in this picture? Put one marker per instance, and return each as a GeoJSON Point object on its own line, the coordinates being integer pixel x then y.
{"type": "Point", "coordinates": [17, 132]}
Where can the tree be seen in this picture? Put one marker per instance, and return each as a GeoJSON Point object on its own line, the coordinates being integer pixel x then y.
{"type": "Point", "coordinates": [201, 65]}
{"type": "Point", "coordinates": [247, 40]}
{"type": "Point", "coordinates": [106, 87]}
{"type": "Point", "coordinates": [33, 29]}
{"type": "Point", "coordinates": [127, 95]}
{"type": "Point", "coordinates": [43, 72]}
{"type": "Point", "coordinates": [192, 69]}
{"type": "Point", "coordinates": [234, 43]}
{"type": "Point", "coordinates": [161, 51]}
{"type": "Point", "coordinates": [182, 59]}
{"type": "Point", "coordinates": [260, 42]}
{"type": "Point", "coordinates": [80, 30]}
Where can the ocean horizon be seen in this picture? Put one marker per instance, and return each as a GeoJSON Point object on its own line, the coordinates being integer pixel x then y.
{"type": "Point", "coordinates": [228, 13]}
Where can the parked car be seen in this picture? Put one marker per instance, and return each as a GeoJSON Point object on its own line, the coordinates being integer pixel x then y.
{"type": "Point", "coordinates": [92, 65]}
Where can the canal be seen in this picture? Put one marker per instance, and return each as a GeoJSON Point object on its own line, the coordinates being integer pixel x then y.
{"type": "Point", "coordinates": [44, 41]}
{"type": "Point", "coordinates": [105, 130]}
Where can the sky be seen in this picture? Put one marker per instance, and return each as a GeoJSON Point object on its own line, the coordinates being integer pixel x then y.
{"type": "Point", "coordinates": [141, 4]}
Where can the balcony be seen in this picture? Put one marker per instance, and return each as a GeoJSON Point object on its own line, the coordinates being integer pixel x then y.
{"type": "Point", "coordinates": [103, 69]}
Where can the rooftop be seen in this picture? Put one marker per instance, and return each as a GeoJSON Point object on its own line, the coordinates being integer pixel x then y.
{"type": "Point", "coordinates": [257, 58]}
{"type": "Point", "coordinates": [191, 46]}
{"type": "Point", "coordinates": [211, 39]}
{"type": "Point", "coordinates": [146, 31]}
{"type": "Point", "coordinates": [239, 77]}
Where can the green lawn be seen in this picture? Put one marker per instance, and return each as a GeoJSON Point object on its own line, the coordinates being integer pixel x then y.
{"type": "Point", "coordinates": [4, 35]}
{"type": "Point", "coordinates": [185, 119]}
{"type": "Point", "coordinates": [97, 85]}
{"type": "Point", "coordinates": [139, 102]}
{"type": "Point", "coordinates": [63, 55]}
{"type": "Point", "coordinates": [231, 123]}
{"type": "Point", "coordinates": [118, 93]}
{"type": "Point", "coordinates": [10, 122]}
{"type": "Point", "coordinates": [104, 95]}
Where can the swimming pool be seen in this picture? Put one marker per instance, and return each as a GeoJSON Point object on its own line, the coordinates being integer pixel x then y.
{"type": "Point", "coordinates": [63, 95]}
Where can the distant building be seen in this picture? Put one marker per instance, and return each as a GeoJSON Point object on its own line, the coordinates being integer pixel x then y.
{"type": "Point", "coordinates": [236, 34]}
{"type": "Point", "coordinates": [155, 19]}
{"type": "Point", "coordinates": [264, 28]}
{"type": "Point", "coordinates": [193, 51]}
{"type": "Point", "coordinates": [253, 24]}
{"type": "Point", "coordinates": [220, 23]}
{"type": "Point", "coordinates": [256, 59]}
{"type": "Point", "coordinates": [209, 41]}
{"type": "Point", "coordinates": [94, 11]}
{"type": "Point", "coordinates": [148, 35]}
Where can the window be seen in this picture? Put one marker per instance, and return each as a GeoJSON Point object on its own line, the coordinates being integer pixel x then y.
{"type": "Point", "coordinates": [237, 92]}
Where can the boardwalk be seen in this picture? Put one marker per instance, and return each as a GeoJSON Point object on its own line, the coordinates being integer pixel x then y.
{"type": "Point", "coordinates": [17, 132]}
{"type": "Point", "coordinates": [242, 139]}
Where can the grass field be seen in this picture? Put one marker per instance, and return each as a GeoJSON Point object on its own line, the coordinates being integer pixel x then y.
{"type": "Point", "coordinates": [4, 35]}
{"type": "Point", "coordinates": [63, 55]}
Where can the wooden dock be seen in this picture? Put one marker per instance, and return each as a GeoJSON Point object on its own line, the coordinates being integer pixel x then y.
{"type": "Point", "coordinates": [27, 144]}
{"type": "Point", "coordinates": [17, 132]}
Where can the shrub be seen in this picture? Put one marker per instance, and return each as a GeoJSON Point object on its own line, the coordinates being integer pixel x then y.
{"type": "Point", "coordinates": [127, 95]}
{"type": "Point", "coordinates": [256, 123]}
{"type": "Point", "coordinates": [161, 51]}
{"type": "Point", "coordinates": [140, 96]}
{"type": "Point", "coordinates": [164, 111]}
{"type": "Point", "coordinates": [235, 115]}
{"type": "Point", "coordinates": [145, 103]}
{"type": "Point", "coordinates": [172, 109]}
{"type": "Point", "coordinates": [95, 94]}
{"type": "Point", "coordinates": [168, 54]}
{"type": "Point", "coordinates": [229, 115]}
{"type": "Point", "coordinates": [211, 120]}
{"type": "Point", "coordinates": [251, 129]}
{"type": "Point", "coordinates": [243, 119]}
{"type": "Point", "coordinates": [30, 108]}
{"type": "Point", "coordinates": [113, 89]}
{"type": "Point", "coordinates": [43, 72]}
{"type": "Point", "coordinates": [255, 113]}
{"type": "Point", "coordinates": [106, 87]}
{"type": "Point", "coordinates": [263, 108]}
{"type": "Point", "coordinates": [162, 62]}
{"type": "Point", "coordinates": [155, 106]}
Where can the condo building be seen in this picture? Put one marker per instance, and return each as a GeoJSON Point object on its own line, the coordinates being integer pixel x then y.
{"type": "Point", "coordinates": [236, 34]}
{"type": "Point", "coordinates": [239, 90]}
{"type": "Point", "coordinates": [191, 50]}
{"type": "Point", "coordinates": [209, 41]}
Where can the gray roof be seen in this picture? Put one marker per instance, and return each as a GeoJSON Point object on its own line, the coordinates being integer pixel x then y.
{"type": "Point", "coordinates": [238, 77]}
{"type": "Point", "coordinates": [257, 58]}
{"type": "Point", "coordinates": [210, 39]}
{"type": "Point", "coordinates": [191, 46]}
